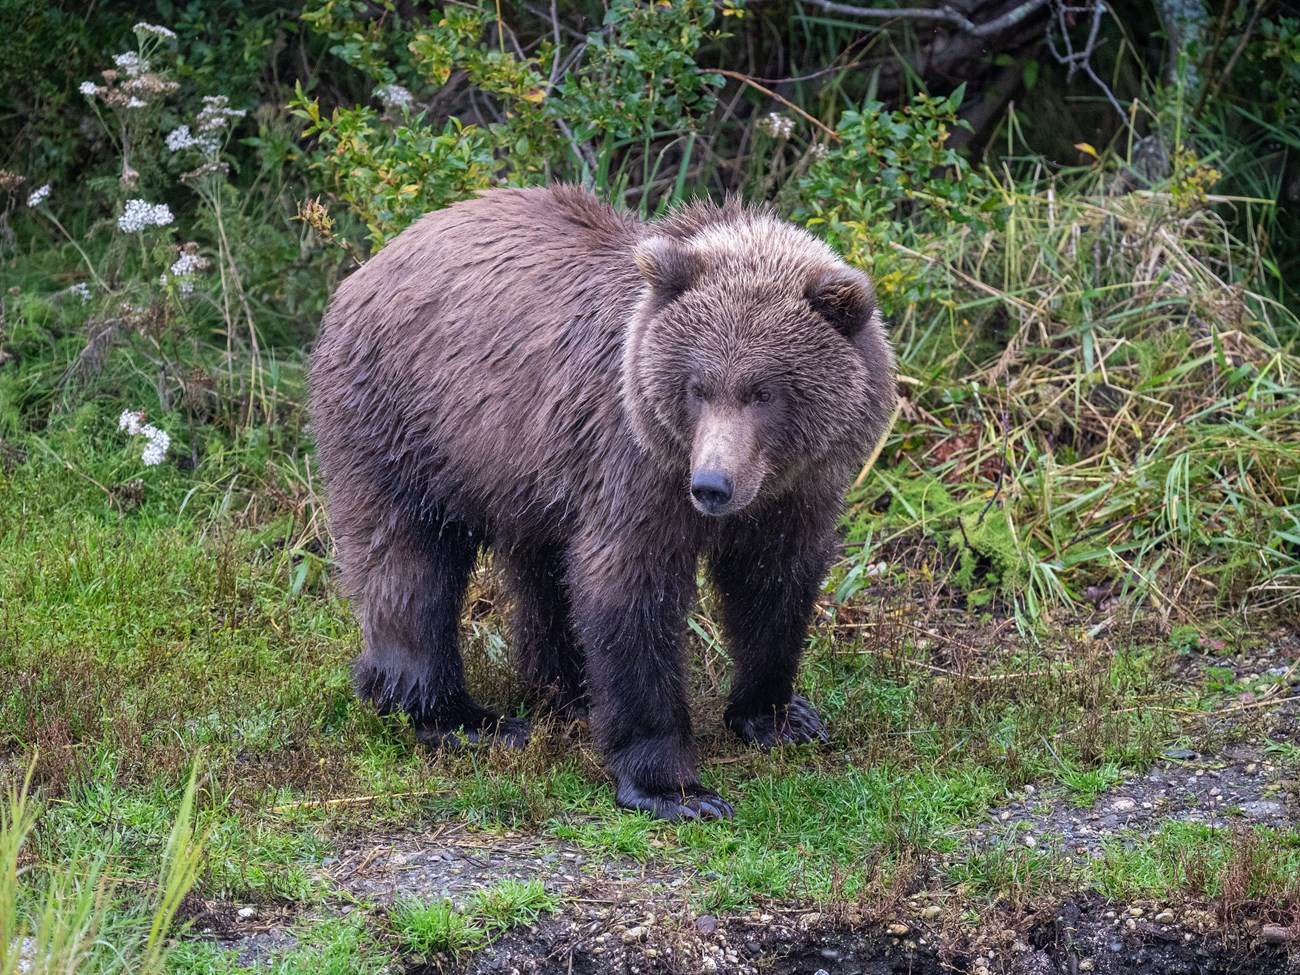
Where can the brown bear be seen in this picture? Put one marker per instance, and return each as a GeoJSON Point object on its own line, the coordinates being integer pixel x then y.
{"type": "Point", "coordinates": [598, 401]}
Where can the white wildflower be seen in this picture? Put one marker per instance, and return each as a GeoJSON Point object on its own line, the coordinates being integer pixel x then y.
{"type": "Point", "coordinates": [88, 88]}
{"type": "Point", "coordinates": [130, 422]}
{"type": "Point", "coordinates": [131, 63]}
{"type": "Point", "coordinates": [157, 442]}
{"type": "Point", "coordinates": [819, 150]}
{"type": "Point", "coordinates": [156, 449]}
{"type": "Point", "coordinates": [187, 264]}
{"type": "Point", "coordinates": [163, 32]}
{"type": "Point", "coordinates": [182, 138]}
{"type": "Point", "coordinates": [138, 214]}
{"type": "Point", "coordinates": [136, 103]}
{"type": "Point", "coordinates": [82, 291]}
{"type": "Point", "coordinates": [183, 270]}
{"type": "Point", "coordinates": [39, 196]}
{"type": "Point", "coordinates": [395, 96]}
{"type": "Point", "coordinates": [777, 125]}
{"type": "Point", "coordinates": [216, 113]}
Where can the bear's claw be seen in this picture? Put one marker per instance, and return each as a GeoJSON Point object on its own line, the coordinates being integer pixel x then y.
{"type": "Point", "coordinates": [796, 724]}
{"type": "Point", "coordinates": [495, 731]}
{"type": "Point", "coordinates": [686, 802]}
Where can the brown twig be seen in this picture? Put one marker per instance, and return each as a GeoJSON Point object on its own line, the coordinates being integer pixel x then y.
{"type": "Point", "coordinates": [830, 133]}
{"type": "Point", "coordinates": [355, 800]}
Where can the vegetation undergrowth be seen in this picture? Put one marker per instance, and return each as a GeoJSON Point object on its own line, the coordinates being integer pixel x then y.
{"type": "Point", "coordinates": [1095, 469]}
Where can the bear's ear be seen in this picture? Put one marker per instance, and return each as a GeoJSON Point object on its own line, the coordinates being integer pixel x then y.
{"type": "Point", "coordinates": [844, 298]}
{"type": "Point", "coordinates": [669, 266]}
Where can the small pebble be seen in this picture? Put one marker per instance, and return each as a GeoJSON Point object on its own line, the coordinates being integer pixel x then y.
{"type": "Point", "coordinates": [898, 930]}
{"type": "Point", "coordinates": [247, 913]}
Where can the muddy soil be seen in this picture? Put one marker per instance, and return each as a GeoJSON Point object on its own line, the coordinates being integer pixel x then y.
{"type": "Point", "coordinates": [1080, 937]}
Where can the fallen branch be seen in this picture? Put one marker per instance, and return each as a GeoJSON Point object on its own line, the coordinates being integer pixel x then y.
{"type": "Point", "coordinates": [355, 800]}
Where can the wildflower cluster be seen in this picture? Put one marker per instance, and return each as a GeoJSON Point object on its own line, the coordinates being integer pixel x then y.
{"type": "Point", "coordinates": [139, 214]}
{"type": "Point", "coordinates": [776, 125]}
{"type": "Point", "coordinates": [82, 291]}
{"type": "Point", "coordinates": [182, 138]}
{"type": "Point", "coordinates": [395, 96]}
{"type": "Point", "coordinates": [156, 441]}
{"type": "Point", "coordinates": [184, 269]}
{"type": "Point", "coordinates": [153, 29]}
{"type": "Point", "coordinates": [213, 119]}
{"type": "Point", "coordinates": [130, 85]}
{"type": "Point", "coordinates": [39, 196]}
{"type": "Point", "coordinates": [216, 114]}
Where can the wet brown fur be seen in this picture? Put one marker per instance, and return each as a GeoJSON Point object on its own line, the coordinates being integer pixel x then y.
{"type": "Point", "coordinates": [534, 372]}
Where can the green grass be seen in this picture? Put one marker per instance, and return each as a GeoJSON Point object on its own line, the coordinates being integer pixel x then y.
{"type": "Point", "coordinates": [1194, 859]}
{"type": "Point", "coordinates": [328, 947]}
{"type": "Point", "coordinates": [78, 914]}
{"type": "Point", "coordinates": [431, 927]}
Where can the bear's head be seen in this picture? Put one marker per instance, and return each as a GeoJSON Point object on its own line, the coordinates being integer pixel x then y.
{"type": "Point", "coordinates": [754, 357]}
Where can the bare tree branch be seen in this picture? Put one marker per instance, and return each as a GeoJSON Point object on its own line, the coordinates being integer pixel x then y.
{"type": "Point", "coordinates": [1081, 60]}
{"type": "Point", "coordinates": [938, 15]}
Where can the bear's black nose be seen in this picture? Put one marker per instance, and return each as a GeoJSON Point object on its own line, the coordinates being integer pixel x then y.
{"type": "Point", "coordinates": [711, 489]}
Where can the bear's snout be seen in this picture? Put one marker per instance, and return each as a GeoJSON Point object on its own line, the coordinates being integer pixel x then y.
{"type": "Point", "coordinates": [711, 490]}
{"type": "Point", "coordinates": [726, 466]}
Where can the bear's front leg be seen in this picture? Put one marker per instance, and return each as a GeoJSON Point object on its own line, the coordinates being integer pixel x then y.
{"type": "Point", "coordinates": [767, 573]}
{"type": "Point", "coordinates": [630, 599]}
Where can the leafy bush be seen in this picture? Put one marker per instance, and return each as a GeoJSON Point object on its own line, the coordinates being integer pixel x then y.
{"type": "Point", "coordinates": [594, 114]}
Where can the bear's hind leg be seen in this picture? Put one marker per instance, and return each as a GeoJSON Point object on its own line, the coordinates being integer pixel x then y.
{"type": "Point", "coordinates": [550, 659]}
{"type": "Point", "coordinates": [414, 586]}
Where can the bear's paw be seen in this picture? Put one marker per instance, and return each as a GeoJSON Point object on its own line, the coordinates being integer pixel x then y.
{"type": "Point", "coordinates": [796, 724]}
{"type": "Point", "coordinates": [497, 731]}
{"type": "Point", "coordinates": [685, 802]}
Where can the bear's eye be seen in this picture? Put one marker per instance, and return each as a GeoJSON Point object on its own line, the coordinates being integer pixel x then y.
{"type": "Point", "coordinates": [694, 390]}
{"type": "Point", "coordinates": [760, 396]}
